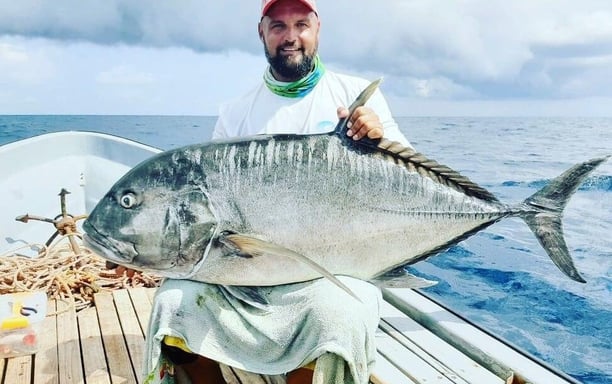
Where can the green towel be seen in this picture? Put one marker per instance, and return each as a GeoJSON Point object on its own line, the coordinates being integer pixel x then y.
{"type": "Point", "coordinates": [301, 323]}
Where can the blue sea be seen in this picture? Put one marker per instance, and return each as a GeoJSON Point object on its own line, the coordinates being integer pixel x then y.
{"type": "Point", "coordinates": [500, 278]}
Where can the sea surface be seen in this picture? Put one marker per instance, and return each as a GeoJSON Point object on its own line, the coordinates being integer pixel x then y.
{"type": "Point", "coordinates": [500, 278]}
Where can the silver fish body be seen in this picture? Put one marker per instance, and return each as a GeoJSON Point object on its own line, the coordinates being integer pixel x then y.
{"type": "Point", "coordinates": [244, 212]}
{"type": "Point", "coordinates": [280, 209]}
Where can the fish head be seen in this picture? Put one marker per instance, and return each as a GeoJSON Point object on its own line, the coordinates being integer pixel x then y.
{"type": "Point", "coordinates": [155, 218]}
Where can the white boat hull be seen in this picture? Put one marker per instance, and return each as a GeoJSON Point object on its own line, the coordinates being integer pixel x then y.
{"type": "Point", "coordinates": [33, 172]}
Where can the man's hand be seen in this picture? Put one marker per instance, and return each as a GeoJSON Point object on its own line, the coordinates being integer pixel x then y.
{"type": "Point", "coordinates": [364, 122]}
{"type": "Point", "coordinates": [120, 269]}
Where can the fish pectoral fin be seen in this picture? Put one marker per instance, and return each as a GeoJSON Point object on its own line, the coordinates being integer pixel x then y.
{"type": "Point", "coordinates": [247, 246]}
{"type": "Point", "coordinates": [240, 245]}
{"type": "Point", "coordinates": [400, 278]}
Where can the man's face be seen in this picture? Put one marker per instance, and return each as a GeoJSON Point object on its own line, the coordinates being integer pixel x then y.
{"type": "Point", "coordinates": [290, 34]}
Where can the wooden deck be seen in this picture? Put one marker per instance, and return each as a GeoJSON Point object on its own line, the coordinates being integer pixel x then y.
{"type": "Point", "coordinates": [105, 344]}
{"type": "Point", "coordinates": [101, 344]}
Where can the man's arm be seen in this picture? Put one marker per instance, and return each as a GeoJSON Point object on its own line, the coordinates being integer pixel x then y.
{"type": "Point", "coordinates": [219, 131]}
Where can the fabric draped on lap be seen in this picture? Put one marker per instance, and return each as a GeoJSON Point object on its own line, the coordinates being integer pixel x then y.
{"type": "Point", "coordinates": [299, 323]}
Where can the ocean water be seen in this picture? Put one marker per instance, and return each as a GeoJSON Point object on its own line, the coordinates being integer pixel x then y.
{"type": "Point", "coordinates": [499, 278]}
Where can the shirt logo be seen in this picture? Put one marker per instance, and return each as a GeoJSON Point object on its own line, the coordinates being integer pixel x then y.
{"type": "Point", "coordinates": [325, 126]}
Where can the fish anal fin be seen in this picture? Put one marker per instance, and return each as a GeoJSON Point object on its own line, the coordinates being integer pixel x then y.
{"type": "Point", "coordinates": [248, 246]}
{"type": "Point", "coordinates": [400, 278]}
{"type": "Point", "coordinates": [253, 296]}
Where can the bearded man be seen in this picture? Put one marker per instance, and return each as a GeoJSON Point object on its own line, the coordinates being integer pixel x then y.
{"type": "Point", "coordinates": [306, 332]}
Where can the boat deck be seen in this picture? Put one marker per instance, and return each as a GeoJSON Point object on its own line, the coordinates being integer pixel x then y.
{"type": "Point", "coordinates": [105, 344]}
{"type": "Point", "coordinates": [101, 344]}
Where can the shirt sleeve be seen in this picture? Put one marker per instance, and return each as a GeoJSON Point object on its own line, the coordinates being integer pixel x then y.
{"type": "Point", "coordinates": [390, 127]}
{"type": "Point", "coordinates": [219, 131]}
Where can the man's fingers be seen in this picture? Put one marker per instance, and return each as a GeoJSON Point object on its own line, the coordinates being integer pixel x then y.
{"type": "Point", "coordinates": [120, 270]}
{"type": "Point", "coordinates": [364, 122]}
{"type": "Point", "coordinates": [342, 112]}
{"type": "Point", "coordinates": [376, 133]}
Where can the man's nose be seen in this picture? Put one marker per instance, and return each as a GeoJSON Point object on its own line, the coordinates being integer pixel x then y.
{"type": "Point", "coordinates": [292, 35]}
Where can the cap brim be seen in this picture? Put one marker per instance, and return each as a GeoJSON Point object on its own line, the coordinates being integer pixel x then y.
{"type": "Point", "coordinates": [269, 5]}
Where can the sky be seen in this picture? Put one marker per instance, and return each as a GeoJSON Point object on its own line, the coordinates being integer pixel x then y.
{"type": "Point", "coordinates": [186, 57]}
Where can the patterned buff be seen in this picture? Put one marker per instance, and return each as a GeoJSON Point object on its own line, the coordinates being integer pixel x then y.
{"type": "Point", "coordinates": [299, 88]}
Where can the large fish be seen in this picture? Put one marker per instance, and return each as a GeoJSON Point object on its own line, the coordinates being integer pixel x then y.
{"type": "Point", "coordinates": [276, 209]}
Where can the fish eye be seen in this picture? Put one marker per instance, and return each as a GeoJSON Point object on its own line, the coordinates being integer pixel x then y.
{"type": "Point", "coordinates": [128, 200]}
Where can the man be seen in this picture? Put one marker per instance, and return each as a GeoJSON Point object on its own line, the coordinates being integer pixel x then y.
{"type": "Point", "coordinates": [298, 95]}
{"type": "Point", "coordinates": [305, 324]}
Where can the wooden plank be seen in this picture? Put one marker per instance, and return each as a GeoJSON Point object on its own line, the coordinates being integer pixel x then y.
{"type": "Point", "coordinates": [151, 293]}
{"type": "Point", "coordinates": [142, 306]}
{"type": "Point", "coordinates": [407, 362]}
{"type": "Point", "coordinates": [119, 362]}
{"type": "Point", "coordinates": [132, 331]}
{"type": "Point", "coordinates": [94, 360]}
{"type": "Point", "coordinates": [68, 351]}
{"type": "Point", "coordinates": [407, 352]}
{"type": "Point", "coordinates": [444, 357]}
{"type": "Point", "coordinates": [387, 373]}
{"type": "Point", "coordinates": [19, 370]}
{"type": "Point", "coordinates": [46, 359]}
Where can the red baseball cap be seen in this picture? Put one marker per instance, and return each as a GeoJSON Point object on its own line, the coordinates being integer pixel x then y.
{"type": "Point", "coordinates": [266, 4]}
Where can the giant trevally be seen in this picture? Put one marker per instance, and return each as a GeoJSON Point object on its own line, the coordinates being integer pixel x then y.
{"type": "Point", "coordinates": [252, 211]}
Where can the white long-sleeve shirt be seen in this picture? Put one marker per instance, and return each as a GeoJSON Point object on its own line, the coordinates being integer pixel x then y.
{"type": "Point", "coordinates": [261, 111]}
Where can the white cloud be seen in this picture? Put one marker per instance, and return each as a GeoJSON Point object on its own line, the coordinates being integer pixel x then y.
{"type": "Point", "coordinates": [430, 88]}
{"type": "Point", "coordinates": [570, 107]}
{"type": "Point", "coordinates": [122, 75]}
{"type": "Point", "coordinates": [426, 49]}
{"type": "Point", "coordinates": [11, 54]}
{"type": "Point", "coordinates": [21, 66]}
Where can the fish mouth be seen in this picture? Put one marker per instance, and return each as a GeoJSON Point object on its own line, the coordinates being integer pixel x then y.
{"type": "Point", "coordinates": [108, 248]}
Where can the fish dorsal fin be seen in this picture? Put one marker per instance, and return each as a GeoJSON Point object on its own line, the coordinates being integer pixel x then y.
{"type": "Point", "coordinates": [363, 97]}
{"type": "Point", "coordinates": [408, 157]}
{"type": "Point", "coordinates": [439, 173]}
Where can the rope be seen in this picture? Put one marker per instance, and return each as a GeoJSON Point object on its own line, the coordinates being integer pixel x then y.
{"type": "Point", "coordinates": [64, 275]}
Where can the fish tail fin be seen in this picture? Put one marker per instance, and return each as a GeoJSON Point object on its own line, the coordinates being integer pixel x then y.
{"type": "Point", "coordinates": [543, 212]}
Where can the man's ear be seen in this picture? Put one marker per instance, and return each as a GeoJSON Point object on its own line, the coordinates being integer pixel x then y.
{"type": "Point", "coordinates": [260, 31]}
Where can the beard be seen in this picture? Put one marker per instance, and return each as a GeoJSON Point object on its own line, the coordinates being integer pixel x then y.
{"type": "Point", "coordinates": [287, 67]}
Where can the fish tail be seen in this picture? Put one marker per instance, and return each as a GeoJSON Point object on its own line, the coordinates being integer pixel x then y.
{"type": "Point", "coordinates": [544, 209]}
